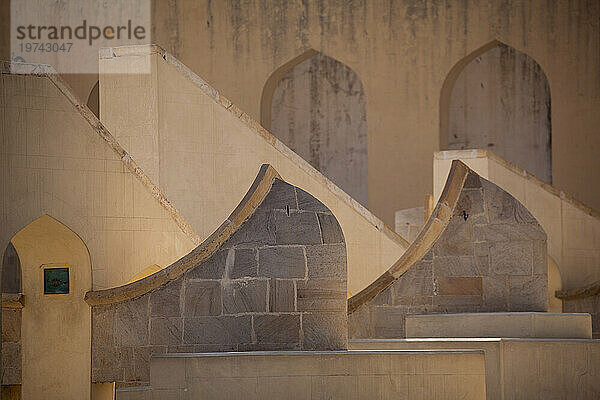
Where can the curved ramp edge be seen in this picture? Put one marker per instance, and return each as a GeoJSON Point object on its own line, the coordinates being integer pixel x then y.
{"type": "Point", "coordinates": [480, 251]}
{"type": "Point", "coordinates": [253, 198]}
{"type": "Point", "coordinates": [47, 71]}
{"type": "Point", "coordinates": [372, 246]}
{"type": "Point", "coordinates": [272, 277]}
{"type": "Point", "coordinates": [422, 244]}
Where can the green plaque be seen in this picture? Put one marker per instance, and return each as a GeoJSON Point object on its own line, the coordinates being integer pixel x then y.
{"type": "Point", "coordinates": [56, 280]}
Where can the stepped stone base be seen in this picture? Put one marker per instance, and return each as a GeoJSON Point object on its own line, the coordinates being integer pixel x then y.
{"type": "Point", "coordinates": [500, 325]}
{"type": "Point", "coordinates": [519, 368]}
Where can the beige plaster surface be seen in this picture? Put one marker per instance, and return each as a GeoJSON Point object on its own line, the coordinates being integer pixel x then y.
{"type": "Point", "coordinates": [204, 152]}
{"type": "Point", "coordinates": [57, 159]}
{"type": "Point", "coordinates": [403, 51]}
{"type": "Point", "coordinates": [513, 325]}
{"type": "Point", "coordinates": [573, 228]}
{"type": "Point", "coordinates": [520, 368]}
{"type": "Point", "coordinates": [320, 375]}
{"type": "Point", "coordinates": [56, 328]}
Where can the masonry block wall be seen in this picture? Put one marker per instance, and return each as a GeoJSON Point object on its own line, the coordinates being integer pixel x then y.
{"type": "Point", "coordinates": [490, 257]}
{"type": "Point", "coordinates": [11, 345]}
{"type": "Point", "coordinates": [278, 283]}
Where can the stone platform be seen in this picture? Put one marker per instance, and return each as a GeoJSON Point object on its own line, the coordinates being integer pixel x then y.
{"type": "Point", "coordinates": [520, 368]}
{"type": "Point", "coordinates": [500, 325]}
{"type": "Point", "coordinates": [421, 374]}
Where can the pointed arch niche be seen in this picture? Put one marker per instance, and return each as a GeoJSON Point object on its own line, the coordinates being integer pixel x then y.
{"type": "Point", "coordinates": [498, 99]}
{"type": "Point", "coordinates": [54, 343]}
{"type": "Point", "coordinates": [316, 106]}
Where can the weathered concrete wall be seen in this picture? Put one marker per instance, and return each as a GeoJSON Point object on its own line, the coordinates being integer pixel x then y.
{"type": "Point", "coordinates": [57, 159]}
{"type": "Point", "coordinates": [318, 111]}
{"type": "Point", "coordinates": [208, 152]}
{"type": "Point", "coordinates": [278, 283]}
{"type": "Point", "coordinates": [322, 375]}
{"type": "Point", "coordinates": [403, 51]}
{"type": "Point", "coordinates": [521, 368]}
{"type": "Point", "coordinates": [501, 102]}
{"type": "Point", "coordinates": [489, 257]}
{"type": "Point", "coordinates": [573, 228]}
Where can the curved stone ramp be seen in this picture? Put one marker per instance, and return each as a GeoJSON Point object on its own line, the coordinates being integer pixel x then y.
{"type": "Point", "coordinates": [272, 277]}
{"type": "Point", "coordinates": [573, 228]}
{"type": "Point", "coordinates": [58, 159]}
{"type": "Point", "coordinates": [212, 149]}
{"type": "Point", "coordinates": [480, 251]}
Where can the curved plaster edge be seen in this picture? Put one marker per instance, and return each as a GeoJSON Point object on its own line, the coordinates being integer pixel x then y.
{"type": "Point", "coordinates": [255, 127]}
{"type": "Point", "coordinates": [483, 153]}
{"type": "Point", "coordinates": [579, 293]}
{"type": "Point", "coordinates": [424, 242]}
{"type": "Point", "coordinates": [47, 71]}
{"type": "Point", "coordinates": [249, 203]}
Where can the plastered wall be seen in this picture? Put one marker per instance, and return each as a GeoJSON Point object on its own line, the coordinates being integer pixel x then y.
{"type": "Point", "coordinates": [403, 51]}
{"type": "Point", "coordinates": [56, 328]}
{"type": "Point", "coordinates": [204, 153]}
{"type": "Point", "coordinates": [53, 161]}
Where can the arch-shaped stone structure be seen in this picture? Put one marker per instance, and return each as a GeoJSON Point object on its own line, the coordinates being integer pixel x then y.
{"type": "Point", "coordinates": [480, 251]}
{"type": "Point", "coordinates": [498, 98]}
{"type": "Point", "coordinates": [272, 277]}
{"type": "Point", "coordinates": [316, 106]}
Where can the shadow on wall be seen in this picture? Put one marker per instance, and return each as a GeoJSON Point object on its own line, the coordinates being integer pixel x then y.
{"type": "Point", "coordinates": [498, 98]}
{"type": "Point", "coordinates": [316, 106]}
{"type": "Point", "coordinates": [93, 101]}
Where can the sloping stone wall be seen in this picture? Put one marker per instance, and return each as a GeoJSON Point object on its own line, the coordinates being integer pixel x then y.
{"type": "Point", "coordinates": [278, 283]}
{"type": "Point", "coordinates": [490, 257]}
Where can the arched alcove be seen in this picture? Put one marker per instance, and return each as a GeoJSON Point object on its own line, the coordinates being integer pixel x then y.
{"type": "Point", "coordinates": [316, 106]}
{"type": "Point", "coordinates": [93, 101]}
{"type": "Point", "coordinates": [55, 332]}
{"type": "Point", "coordinates": [498, 98]}
{"type": "Point", "coordinates": [11, 270]}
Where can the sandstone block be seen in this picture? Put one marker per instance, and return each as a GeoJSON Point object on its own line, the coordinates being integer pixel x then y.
{"type": "Point", "coordinates": [326, 261]}
{"type": "Point", "coordinates": [244, 265]}
{"type": "Point", "coordinates": [220, 330]}
{"type": "Point", "coordinates": [245, 296]}
{"type": "Point", "coordinates": [202, 298]}
{"type": "Point", "coordinates": [282, 295]}
{"type": "Point", "coordinates": [282, 262]}
{"type": "Point", "coordinates": [300, 227]}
